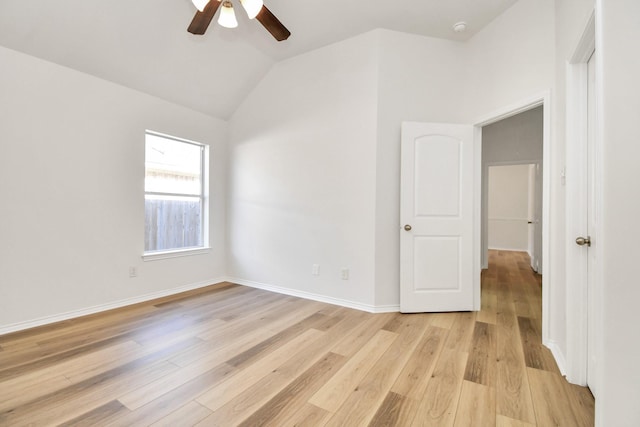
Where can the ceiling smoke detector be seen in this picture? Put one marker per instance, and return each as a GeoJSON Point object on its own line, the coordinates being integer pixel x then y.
{"type": "Point", "coordinates": [460, 27]}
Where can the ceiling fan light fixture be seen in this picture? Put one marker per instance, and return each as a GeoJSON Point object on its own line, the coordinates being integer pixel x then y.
{"type": "Point", "coordinates": [200, 4]}
{"type": "Point", "coordinates": [252, 7]}
{"type": "Point", "coordinates": [227, 17]}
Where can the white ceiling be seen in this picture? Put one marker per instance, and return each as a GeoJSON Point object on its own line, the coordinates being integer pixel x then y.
{"type": "Point", "coordinates": [144, 44]}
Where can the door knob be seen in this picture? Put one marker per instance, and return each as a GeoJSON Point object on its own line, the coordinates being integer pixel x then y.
{"type": "Point", "coordinates": [581, 241]}
{"type": "Point", "coordinates": [407, 227]}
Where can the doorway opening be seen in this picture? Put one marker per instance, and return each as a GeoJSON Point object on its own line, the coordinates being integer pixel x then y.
{"type": "Point", "coordinates": [509, 147]}
{"type": "Point", "coordinates": [512, 127]}
{"type": "Point", "coordinates": [512, 166]}
{"type": "Point", "coordinates": [513, 209]}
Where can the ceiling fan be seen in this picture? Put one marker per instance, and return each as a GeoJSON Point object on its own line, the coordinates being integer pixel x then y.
{"type": "Point", "coordinates": [254, 8]}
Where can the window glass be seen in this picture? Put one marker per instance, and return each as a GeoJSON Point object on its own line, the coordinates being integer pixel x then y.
{"type": "Point", "coordinates": [174, 194]}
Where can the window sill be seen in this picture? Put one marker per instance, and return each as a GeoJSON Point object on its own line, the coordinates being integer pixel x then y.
{"type": "Point", "coordinates": [154, 256]}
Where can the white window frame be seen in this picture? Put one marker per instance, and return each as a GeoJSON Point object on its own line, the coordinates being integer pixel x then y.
{"type": "Point", "coordinates": [204, 205]}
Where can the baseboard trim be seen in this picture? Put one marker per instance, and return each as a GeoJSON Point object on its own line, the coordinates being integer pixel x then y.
{"type": "Point", "coordinates": [47, 320]}
{"type": "Point", "coordinates": [507, 249]}
{"type": "Point", "coordinates": [316, 297]}
{"type": "Point", "coordinates": [558, 355]}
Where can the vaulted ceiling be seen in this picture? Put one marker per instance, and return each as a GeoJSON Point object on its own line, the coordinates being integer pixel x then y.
{"type": "Point", "coordinates": [144, 44]}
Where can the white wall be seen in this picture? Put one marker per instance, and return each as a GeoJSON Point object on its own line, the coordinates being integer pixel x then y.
{"type": "Point", "coordinates": [72, 188]}
{"type": "Point", "coordinates": [508, 207]}
{"type": "Point", "coordinates": [617, 35]}
{"type": "Point", "coordinates": [302, 177]}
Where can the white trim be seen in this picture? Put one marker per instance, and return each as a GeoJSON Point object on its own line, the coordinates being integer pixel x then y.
{"type": "Point", "coordinates": [175, 138]}
{"type": "Point", "coordinates": [514, 109]}
{"type": "Point", "coordinates": [587, 43]}
{"type": "Point", "coordinates": [598, 276]}
{"type": "Point", "coordinates": [316, 297]}
{"type": "Point", "coordinates": [514, 163]}
{"type": "Point", "coordinates": [154, 256]}
{"type": "Point", "coordinates": [544, 99]}
{"type": "Point", "coordinates": [15, 327]}
{"type": "Point", "coordinates": [495, 248]}
{"type": "Point", "coordinates": [558, 355]}
{"type": "Point", "coordinates": [477, 218]}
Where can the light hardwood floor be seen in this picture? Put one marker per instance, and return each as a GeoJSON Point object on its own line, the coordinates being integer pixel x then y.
{"type": "Point", "coordinates": [229, 355]}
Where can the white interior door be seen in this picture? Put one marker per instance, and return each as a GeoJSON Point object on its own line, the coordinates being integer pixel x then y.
{"type": "Point", "coordinates": [437, 266]}
{"type": "Point", "coordinates": [584, 207]}
{"type": "Point", "coordinates": [592, 219]}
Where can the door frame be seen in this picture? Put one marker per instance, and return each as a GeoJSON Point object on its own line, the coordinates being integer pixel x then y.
{"type": "Point", "coordinates": [540, 99]}
{"type": "Point", "coordinates": [579, 310]}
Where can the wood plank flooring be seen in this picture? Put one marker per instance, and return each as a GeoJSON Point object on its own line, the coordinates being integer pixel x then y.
{"type": "Point", "coordinates": [228, 355]}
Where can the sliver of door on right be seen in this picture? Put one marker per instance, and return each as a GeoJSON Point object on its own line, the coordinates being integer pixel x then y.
{"type": "Point", "coordinates": [591, 214]}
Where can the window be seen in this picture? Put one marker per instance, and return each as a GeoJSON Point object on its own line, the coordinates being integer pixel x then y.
{"type": "Point", "coordinates": [175, 194]}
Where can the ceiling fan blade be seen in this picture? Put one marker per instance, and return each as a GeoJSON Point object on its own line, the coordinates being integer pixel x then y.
{"type": "Point", "coordinates": [201, 21]}
{"type": "Point", "coordinates": [272, 24]}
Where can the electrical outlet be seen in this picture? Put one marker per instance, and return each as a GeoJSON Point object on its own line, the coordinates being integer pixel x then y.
{"type": "Point", "coordinates": [315, 269]}
{"type": "Point", "coordinates": [344, 274]}
{"type": "Point", "coordinates": [133, 272]}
